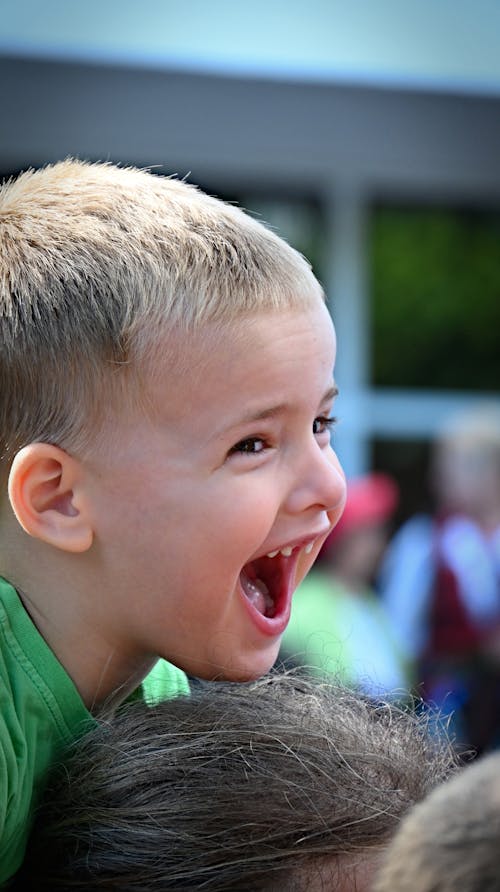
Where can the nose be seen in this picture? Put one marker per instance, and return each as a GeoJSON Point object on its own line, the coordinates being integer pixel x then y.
{"type": "Point", "coordinates": [319, 482]}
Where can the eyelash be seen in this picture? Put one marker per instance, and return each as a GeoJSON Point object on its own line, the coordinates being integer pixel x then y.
{"type": "Point", "coordinates": [327, 423]}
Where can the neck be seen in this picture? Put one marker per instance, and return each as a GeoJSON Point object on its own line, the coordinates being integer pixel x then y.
{"type": "Point", "coordinates": [103, 676]}
{"type": "Point", "coordinates": [77, 619]}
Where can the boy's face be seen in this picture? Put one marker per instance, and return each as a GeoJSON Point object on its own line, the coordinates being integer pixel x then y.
{"type": "Point", "coordinates": [236, 465]}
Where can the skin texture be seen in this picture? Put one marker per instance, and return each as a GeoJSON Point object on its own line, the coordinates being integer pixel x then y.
{"type": "Point", "coordinates": [232, 460]}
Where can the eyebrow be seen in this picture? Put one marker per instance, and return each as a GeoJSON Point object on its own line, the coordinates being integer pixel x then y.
{"type": "Point", "coordinates": [330, 394]}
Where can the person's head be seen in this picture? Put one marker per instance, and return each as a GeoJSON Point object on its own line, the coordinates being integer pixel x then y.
{"type": "Point", "coordinates": [166, 364]}
{"type": "Point", "coordinates": [465, 465]}
{"type": "Point", "coordinates": [281, 784]}
{"type": "Point", "coordinates": [451, 840]}
{"type": "Point", "coordinates": [356, 544]}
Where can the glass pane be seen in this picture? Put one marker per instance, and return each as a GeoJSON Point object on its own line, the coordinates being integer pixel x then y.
{"type": "Point", "coordinates": [408, 462]}
{"type": "Point", "coordinates": [435, 284]}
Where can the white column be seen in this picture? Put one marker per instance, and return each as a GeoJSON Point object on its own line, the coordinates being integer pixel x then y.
{"type": "Point", "coordinates": [347, 289]}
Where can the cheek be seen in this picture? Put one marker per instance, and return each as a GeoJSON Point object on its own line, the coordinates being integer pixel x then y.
{"type": "Point", "coordinates": [213, 535]}
{"type": "Point", "coordinates": [244, 510]}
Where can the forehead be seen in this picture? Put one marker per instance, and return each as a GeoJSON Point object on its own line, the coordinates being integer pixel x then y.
{"type": "Point", "coordinates": [251, 349]}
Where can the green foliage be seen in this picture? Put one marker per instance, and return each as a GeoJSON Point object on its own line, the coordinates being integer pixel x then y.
{"type": "Point", "coordinates": [435, 284]}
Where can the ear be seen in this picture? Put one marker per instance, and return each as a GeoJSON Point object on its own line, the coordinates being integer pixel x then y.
{"type": "Point", "coordinates": [46, 494]}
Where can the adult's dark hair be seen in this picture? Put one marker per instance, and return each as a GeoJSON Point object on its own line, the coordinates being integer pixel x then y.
{"type": "Point", "coordinates": [268, 785]}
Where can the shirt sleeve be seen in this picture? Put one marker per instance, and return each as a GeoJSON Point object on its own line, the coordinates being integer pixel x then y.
{"type": "Point", "coordinates": [164, 682]}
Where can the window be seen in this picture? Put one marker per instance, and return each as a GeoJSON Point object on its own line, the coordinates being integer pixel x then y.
{"type": "Point", "coordinates": [435, 285]}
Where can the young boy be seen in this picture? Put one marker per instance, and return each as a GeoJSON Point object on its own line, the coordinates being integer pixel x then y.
{"type": "Point", "coordinates": [166, 392]}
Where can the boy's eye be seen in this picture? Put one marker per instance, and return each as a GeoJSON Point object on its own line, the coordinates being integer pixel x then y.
{"type": "Point", "coordinates": [323, 423]}
{"type": "Point", "coordinates": [250, 446]}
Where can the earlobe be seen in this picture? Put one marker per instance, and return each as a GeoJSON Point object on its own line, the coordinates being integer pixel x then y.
{"type": "Point", "coordinates": [45, 494]}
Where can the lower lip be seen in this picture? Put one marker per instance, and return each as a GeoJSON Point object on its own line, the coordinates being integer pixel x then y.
{"type": "Point", "coordinates": [271, 626]}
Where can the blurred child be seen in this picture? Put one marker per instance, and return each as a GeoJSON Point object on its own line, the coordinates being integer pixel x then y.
{"type": "Point", "coordinates": [166, 379]}
{"type": "Point", "coordinates": [338, 623]}
{"type": "Point", "coordinates": [440, 579]}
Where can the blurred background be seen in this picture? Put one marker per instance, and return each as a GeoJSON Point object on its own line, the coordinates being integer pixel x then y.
{"type": "Point", "coordinates": [368, 134]}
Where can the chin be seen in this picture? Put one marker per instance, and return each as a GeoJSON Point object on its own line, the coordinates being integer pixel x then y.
{"type": "Point", "coordinates": [239, 669]}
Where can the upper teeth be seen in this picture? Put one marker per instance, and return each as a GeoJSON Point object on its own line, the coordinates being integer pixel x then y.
{"type": "Point", "coordinates": [286, 552]}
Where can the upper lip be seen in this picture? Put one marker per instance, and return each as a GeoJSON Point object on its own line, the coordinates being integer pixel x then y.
{"type": "Point", "coordinates": [300, 542]}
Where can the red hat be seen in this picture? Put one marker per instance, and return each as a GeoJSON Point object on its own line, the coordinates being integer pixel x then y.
{"type": "Point", "coordinates": [371, 498]}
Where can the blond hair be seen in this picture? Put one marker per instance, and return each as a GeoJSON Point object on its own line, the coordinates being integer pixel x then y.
{"type": "Point", "coordinates": [97, 263]}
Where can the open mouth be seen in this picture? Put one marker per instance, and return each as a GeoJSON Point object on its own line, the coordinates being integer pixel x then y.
{"type": "Point", "coordinates": [266, 582]}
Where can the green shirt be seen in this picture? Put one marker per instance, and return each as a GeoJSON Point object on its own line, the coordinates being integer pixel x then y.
{"type": "Point", "coordinates": [41, 712]}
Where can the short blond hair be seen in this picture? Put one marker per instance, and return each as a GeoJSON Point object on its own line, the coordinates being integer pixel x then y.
{"type": "Point", "coordinates": [97, 263]}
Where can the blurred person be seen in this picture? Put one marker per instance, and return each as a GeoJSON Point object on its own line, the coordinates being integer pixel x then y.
{"type": "Point", "coordinates": [440, 579]}
{"type": "Point", "coordinates": [338, 623]}
{"type": "Point", "coordinates": [450, 840]}
{"type": "Point", "coordinates": [281, 785]}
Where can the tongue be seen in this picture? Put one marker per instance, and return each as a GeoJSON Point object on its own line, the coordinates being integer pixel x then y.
{"type": "Point", "coordinates": [257, 593]}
